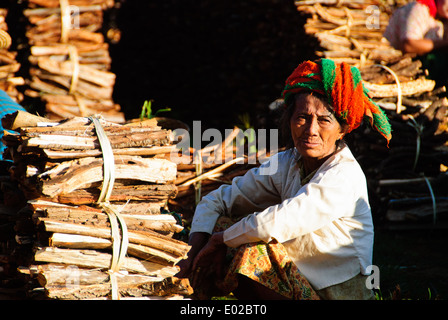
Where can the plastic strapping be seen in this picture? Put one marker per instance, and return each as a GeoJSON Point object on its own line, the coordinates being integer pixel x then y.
{"type": "Point", "coordinates": [108, 162]}
{"type": "Point", "coordinates": [397, 81]}
{"type": "Point", "coordinates": [119, 245]}
{"type": "Point", "coordinates": [65, 20]}
{"type": "Point", "coordinates": [434, 205]}
{"type": "Point", "coordinates": [119, 241]}
{"type": "Point", "coordinates": [74, 58]}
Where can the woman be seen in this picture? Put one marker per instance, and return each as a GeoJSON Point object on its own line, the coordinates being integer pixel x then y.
{"type": "Point", "coordinates": [305, 230]}
{"type": "Point", "coordinates": [419, 27]}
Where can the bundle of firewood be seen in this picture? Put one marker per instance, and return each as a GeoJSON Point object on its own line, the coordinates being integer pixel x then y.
{"type": "Point", "coordinates": [8, 63]}
{"type": "Point", "coordinates": [352, 31]}
{"type": "Point", "coordinates": [203, 170]}
{"type": "Point", "coordinates": [70, 59]}
{"type": "Point", "coordinates": [96, 191]}
{"type": "Point", "coordinates": [412, 169]}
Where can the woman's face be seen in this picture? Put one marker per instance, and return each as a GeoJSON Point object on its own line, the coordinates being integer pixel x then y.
{"type": "Point", "coordinates": [442, 8]}
{"type": "Point", "coordinates": [314, 128]}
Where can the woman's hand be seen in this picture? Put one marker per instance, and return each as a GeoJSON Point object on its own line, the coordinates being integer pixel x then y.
{"type": "Point", "coordinates": [423, 46]}
{"type": "Point", "coordinates": [197, 241]}
{"type": "Point", "coordinates": [211, 256]}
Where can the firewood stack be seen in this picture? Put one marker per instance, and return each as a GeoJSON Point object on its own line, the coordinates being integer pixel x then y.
{"type": "Point", "coordinates": [351, 32]}
{"type": "Point", "coordinates": [204, 170]}
{"type": "Point", "coordinates": [70, 60]}
{"type": "Point", "coordinates": [412, 171]}
{"type": "Point", "coordinates": [94, 228]}
{"type": "Point", "coordinates": [8, 63]}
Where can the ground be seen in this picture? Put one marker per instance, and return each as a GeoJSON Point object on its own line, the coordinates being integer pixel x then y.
{"type": "Point", "coordinates": [415, 261]}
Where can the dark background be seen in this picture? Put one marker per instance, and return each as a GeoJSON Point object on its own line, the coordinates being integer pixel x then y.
{"type": "Point", "coordinates": [206, 60]}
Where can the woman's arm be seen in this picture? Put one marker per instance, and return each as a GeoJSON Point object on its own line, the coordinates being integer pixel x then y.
{"type": "Point", "coordinates": [317, 204]}
{"type": "Point", "coordinates": [253, 192]}
{"type": "Point", "coordinates": [423, 46]}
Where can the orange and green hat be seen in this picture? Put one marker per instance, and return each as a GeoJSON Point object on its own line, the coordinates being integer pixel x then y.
{"type": "Point", "coordinates": [342, 85]}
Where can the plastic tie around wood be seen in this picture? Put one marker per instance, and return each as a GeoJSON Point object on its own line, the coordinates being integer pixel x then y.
{"type": "Point", "coordinates": [120, 242]}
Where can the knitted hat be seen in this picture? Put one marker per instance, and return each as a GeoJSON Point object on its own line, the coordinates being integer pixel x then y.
{"type": "Point", "coordinates": [342, 85]}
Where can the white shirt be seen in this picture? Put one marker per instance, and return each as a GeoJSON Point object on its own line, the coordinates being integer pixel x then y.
{"type": "Point", "coordinates": [326, 225]}
{"type": "Point", "coordinates": [413, 22]}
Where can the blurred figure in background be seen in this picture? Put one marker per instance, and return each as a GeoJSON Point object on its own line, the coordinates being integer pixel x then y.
{"type": "Point", "coordinates": [7, 106]}
{"type": "Point", "coordinates": [421, 27]}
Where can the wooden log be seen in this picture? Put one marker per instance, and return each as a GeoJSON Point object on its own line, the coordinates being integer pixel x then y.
{"type": "Point", "coordinates": [128, 290]}
{"type": "Point", "coordinates": [62, 281]}
{"type": "Point", "coordinates": [86, 130]}
{"type": "Point", "coordinates": [20, 119]}
{"type": "Point", "coordinates": [64, 84]}
{"type": "Point", "coordinates": [70, 100]}
{"type": "Point", "coordinates": [140, 151]}
{"type": "Point", "coordinates": [149, 239]}
{"type": "Point", "coordinates": [90, 216]}
{"type": "Point", "coordinates": [89, 130]}
{"type": "Point", "coordinates": [62, 49]}
{"type": "Point", "coordinates": [95, 259]}
{"type": "Point", "coordinates": [149, 193]}
{"type": "Point", "coordinates": [91, 21]}
{"type": "Point", "coordinates": [65, 68]}
{"type": "Point", "coordinates": [128, 207]}
{"type": "Point", "coordinates": [74, 241]}
{"type": "Point", "coordinates": [71, 175]}
{"type": "Point", "coordinates": [60, 112]}
{"type": "Point", "coordinates": [70, 241]}
{"type": "Point", "coordinates": [104, 4]}
{"type": "Point", "coordinates": [126, 139]}
{"type": "Point", "coordinates": [408, 88]}
{"type": "Point", "coordinates": [58, 275]}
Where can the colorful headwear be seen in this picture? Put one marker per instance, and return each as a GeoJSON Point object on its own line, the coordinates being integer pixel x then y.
{"type": "Point", "coordinates": [431, 4]}
{"type": "Point", "coordinates": [342, 85]}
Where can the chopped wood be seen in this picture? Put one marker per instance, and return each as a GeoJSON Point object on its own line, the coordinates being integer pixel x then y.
{"type": "Point", "coordinates": [408, 88]}
{"type": "Point", "coordinates": [71, 62]}
{"type": "Point", "coordinates": [9, 66]}
{"type": "Point", "coordinates": [96, 259]}
{"type": "Point", "coordinates": [63, 186]}
{"type": "Point", "coordinates": [89, 216]}
{"type": "Point", "coordinates": [53, 275]}
{"type": "Point", "coordinates": [71, 175]}
{"type": "Point", "coordinates": [147, 238]}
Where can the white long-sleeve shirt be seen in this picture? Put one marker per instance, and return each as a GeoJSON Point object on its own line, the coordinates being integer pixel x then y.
{"type": "Point", "coordinates": [325, 225]}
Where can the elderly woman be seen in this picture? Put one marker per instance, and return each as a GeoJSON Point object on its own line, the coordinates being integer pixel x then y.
{"type": "Point", "coordinates": [303, 231]}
